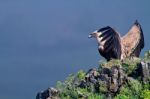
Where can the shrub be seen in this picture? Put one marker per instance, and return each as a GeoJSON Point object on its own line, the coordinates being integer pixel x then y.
{"type": "Point", "coordinates": [145, 94]}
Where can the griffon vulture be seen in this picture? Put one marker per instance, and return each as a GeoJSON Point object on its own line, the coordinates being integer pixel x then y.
{"type": "Point", "coordinates": [112, 46]}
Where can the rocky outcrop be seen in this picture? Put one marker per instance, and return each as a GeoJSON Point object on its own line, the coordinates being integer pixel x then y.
{"type": "Point", "coordinates": [106, 80]}
{"type": "Point", "coordinates": [144, 71]}
{"type": "Point", "coordinates": [50, 93]}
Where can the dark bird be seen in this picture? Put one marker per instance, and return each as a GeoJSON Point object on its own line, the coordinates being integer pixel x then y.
{"type": "Point", "coordinates": [112, 46]}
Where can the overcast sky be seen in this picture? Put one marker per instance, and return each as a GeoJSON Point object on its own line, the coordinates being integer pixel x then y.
{"type": "Point", "coordinates": [43, 41]}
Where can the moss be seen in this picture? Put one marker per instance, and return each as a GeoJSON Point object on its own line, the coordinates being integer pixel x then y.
{"type": "Point", "coordinates": [128, 64]}
{"type": "Point", "coordinates": [111, 63]}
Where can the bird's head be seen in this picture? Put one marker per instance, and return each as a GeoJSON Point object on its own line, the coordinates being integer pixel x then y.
{"type": "Point", "coordinates": [94, 34]}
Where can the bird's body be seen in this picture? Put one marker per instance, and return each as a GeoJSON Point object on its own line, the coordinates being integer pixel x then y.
{"type": "Point", "coordinates": [112, 46]}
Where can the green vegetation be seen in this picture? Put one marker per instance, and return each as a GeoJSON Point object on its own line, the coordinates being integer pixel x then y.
{"type": "Point", "coordinates": [81, 75]}
{"type": "Point", "coordinates": [145, 94]}
{"type": "Point", "coordinates": [68, 90]}
{"type": "Point", "coordinates": [147, 54]}
{"type": "Point", "coordinates": [133, 88]}
{"type": "Point", "coordinates": [128, 64]}
{"type": "Point", "coordinates": [130, 90]}
{"type": "Point", "coordinates": [110, 64]}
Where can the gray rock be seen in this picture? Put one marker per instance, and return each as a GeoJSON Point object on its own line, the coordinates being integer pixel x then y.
{"type": "Point", "coordinates": [108, 80]}
{"type": "Point", "coordinates": [50, 93]}
{"type": "Point", "coordinates": [145, 71]}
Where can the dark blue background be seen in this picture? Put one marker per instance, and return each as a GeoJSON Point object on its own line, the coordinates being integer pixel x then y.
{"type": "Point", "coordinates": [43, 41]}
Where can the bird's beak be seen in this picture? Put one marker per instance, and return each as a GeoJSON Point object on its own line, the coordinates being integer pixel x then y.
{"type": "Point", "coordinates": [93, 34]}
{"type": "Point", "coordinates": [90, 35]}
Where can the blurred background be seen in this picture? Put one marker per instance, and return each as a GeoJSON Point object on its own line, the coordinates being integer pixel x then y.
{"type": "Point", "coordinates": [43, 41]}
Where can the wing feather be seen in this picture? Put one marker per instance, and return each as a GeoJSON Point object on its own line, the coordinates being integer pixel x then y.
{"type": "Point", "coordinates": [107, 36]}
{"type": "Point", "coordinates": [112, 43]}
{"type": "Point", "coordinates": [133, 41]}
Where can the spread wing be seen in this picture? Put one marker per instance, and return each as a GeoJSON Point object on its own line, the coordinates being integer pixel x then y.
{"type": "Point", "coordinates": [133, 41]}
{"type": "Point", "coordinates": [109, 43]}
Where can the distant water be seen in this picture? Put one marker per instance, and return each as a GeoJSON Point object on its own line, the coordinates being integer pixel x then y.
{"type": "Point", "coordinates": [24, 74]}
